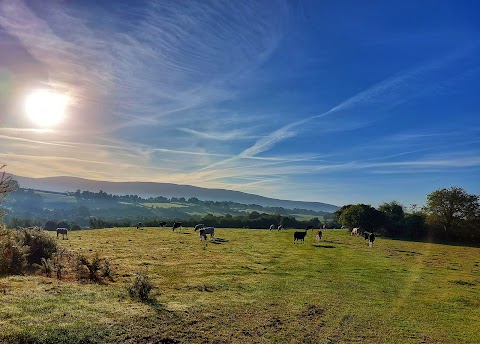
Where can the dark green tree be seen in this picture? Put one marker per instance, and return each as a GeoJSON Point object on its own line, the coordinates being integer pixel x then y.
{"type": "Point", "coordinates": [393, 217]}
{"type": "Point", "coordinates": [455, 211]}
{"type": "Point", "coordinates": [362, 215]}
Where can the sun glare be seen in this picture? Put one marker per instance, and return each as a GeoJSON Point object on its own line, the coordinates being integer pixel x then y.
{"type": "Point", "coordinates": [45, 107]}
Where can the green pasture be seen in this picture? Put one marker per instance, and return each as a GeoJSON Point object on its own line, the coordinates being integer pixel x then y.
{"type": "Point", "coordinates": [164, 205]}
{"type": "Point", "coordinates": [306, 217]}
{"type": "Point", "coordinates": [56, 197]}
{"type": "Point", "coordinates": [252, 286]}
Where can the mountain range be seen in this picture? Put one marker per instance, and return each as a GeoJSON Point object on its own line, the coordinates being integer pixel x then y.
{"type": "Point", "coordinates": [154, 189]}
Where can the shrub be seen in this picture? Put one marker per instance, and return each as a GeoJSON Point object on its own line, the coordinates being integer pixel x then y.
{"type": "Point", "coordinates": [41, 245]}
{"type": "Point", "coordinates": [106, 269]}
{"type": "Point", "coordinates": [87, 270]}
{"type": "Point", "coordinates": [47, 267]}
{"type": "Point", "coordinates": [13, 254]}
{"type": "Point", "coordinates": [140, 288]}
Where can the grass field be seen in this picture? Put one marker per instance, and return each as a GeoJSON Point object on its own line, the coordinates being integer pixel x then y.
{"type": "Point", "coordinates": [252, 286]}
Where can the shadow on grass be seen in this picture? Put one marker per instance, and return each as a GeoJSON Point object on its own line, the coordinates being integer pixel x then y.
{"type": "Point", "coordinates": [409, 253]}
{"type": "Point", "coordinates": [439, 241]}
{"type": "Point", "coordinates": [324, 246]}
{"type": "Point", "coordinates": [218, 241]}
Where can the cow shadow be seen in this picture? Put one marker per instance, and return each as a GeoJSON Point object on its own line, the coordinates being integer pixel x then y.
{"type": "Point", "coordinates": [218, 241]}
{"type": "Point", "coordinates": [323, 246]}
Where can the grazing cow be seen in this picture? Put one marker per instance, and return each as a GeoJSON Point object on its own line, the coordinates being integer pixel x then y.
{"type": "Point", "coordinates": [176, 225]}
{"type": "Point", "coordinates": [299, 236]}
{"type": "Point", "coordinates": [280, 227]}
{"type": "Point", "coordinates": [272, 227]}
{"type": "Point", "coordinates": [355, 231]}
{"type": "Point", "coordinates": [203, 235]}
{"type": "Point", "coordinates": [371, 239]}
{"type": "Point", "coordinates": [162, 224]}
{"type": "Point", "coordinates": [208, 230]}
{"type": "Point", "coordinates": [308, 227]}
{"type": "Point", "coordinates": [63, 232]}
{"type": "Point", "coordinates": [318, 237]}
{"type": "Point", "coordinates": [199, 226]}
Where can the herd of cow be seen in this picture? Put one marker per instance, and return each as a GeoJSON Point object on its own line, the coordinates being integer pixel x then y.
{"type": "Point", "coordinates": [297, 235]}
{"type": "Point", "coordinates": [204, 231]}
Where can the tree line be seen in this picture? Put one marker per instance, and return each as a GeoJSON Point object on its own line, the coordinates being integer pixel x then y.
{"type": "Point", "coordinates": [450, 215]}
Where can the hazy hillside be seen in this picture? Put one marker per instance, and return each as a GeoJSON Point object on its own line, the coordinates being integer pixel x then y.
{"type": "Point", "coordinates": [146, 189]}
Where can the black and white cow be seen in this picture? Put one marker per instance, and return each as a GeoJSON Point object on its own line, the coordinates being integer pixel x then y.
{"type": "Point", "coordinates": [199, 226]}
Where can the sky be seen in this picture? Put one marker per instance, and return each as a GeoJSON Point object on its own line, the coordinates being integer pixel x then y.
{"type": "Point", "coordinates": [340, 102]}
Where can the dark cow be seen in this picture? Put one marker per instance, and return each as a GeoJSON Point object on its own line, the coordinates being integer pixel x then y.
{"type": "Point", "coordinates": [176, 225]}
{"type": "Point", "coordinates": [162, 224]}
{"type": "Point", "coordinates": [63, 232]}
{"type": "Point", "coordinates": [297, 236]}
{"type": "Point", "coordinates": [308, 227]}
{"type": "Point", "coordinates": [139, 225]}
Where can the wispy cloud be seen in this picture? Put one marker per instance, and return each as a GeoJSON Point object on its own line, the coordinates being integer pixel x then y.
{"type": "Point", "coordinates": [240, 134]}
{"type": "Point", "coordinates": [201, 93]}
{"type": "Point", "coordinates": [177, 56]}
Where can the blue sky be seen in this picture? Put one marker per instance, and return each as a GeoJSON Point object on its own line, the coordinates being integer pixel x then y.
{"type": "Point", "coordinates": [330, 101]}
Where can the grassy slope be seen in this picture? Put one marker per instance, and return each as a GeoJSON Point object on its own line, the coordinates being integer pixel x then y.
{"type": "Point", "coordinates": [254, 286]}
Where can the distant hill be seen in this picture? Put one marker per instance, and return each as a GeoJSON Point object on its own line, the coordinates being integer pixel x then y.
{"type": "Point", "coordinates": [151, 189]}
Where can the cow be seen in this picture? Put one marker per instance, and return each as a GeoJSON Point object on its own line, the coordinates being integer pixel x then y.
{"type": "Point", "coordinates": [308, 227]}
{"type": "Point", "coordinates": [297, 236]}
{"type": "Point", "coordinates": [272, 227]}
{"type": "Point", "coordinates": [176, 225]}
{"type": "Point", "coordinates": [139, 225]}
{"type": "Point", "coordinates": [207, 230]}
{"type": "Point", "coordinates": [199, 226]}
{"type": "Point", "coordinates": [371, 239]}
{"type": "Point", "coordinates": [280, 227]}
{"type": "Point", "coordinates": [63, 232]}
{"type": "Point", "coordinates": [355, 231]}
{"type": "Point", "coordinates": [162, 224]}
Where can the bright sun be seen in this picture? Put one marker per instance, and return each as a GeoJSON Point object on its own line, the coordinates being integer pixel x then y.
{"type": "Point", "coordinates": [45, 107]}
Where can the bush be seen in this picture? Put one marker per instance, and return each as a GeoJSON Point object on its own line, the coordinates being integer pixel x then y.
{"type": "Point", "coordinates": [106, 269]}
{"type": "Point", "coordinates": [87, 270]}
{"type": "Point", "coordinates": [13, 254]}
{"type": "Point", "coordinates": [47, 267]}
{"type": "Point", "coordinates": [140, 288]}
{"type": "Point", "coordinates": [41, 245]}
